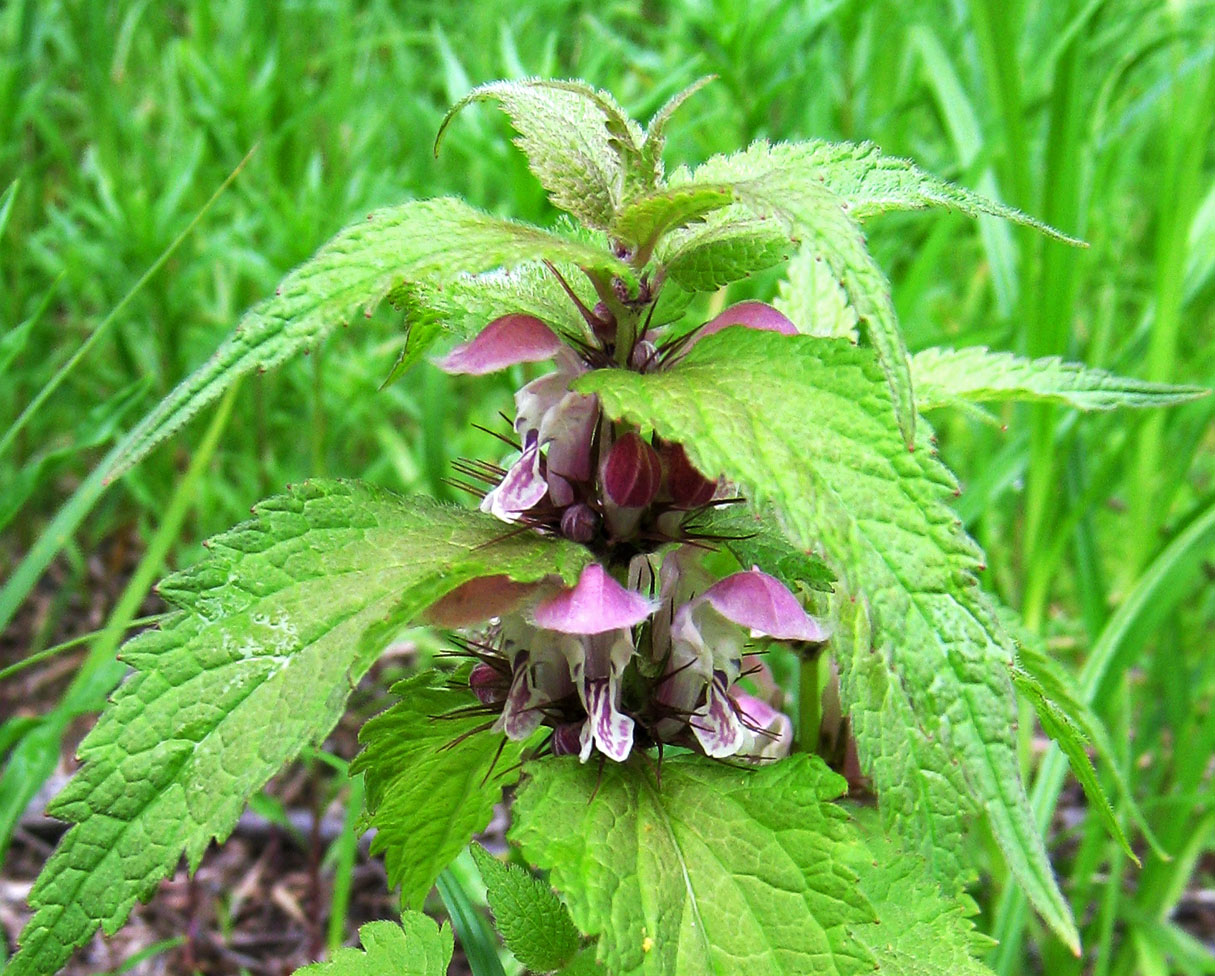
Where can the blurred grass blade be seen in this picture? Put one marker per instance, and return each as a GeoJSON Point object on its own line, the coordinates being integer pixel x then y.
{"type": "Point", "coordinates": [476, 937]}
{"type": "Point", "coordinates": [33, 759]}
{"type": "Point", "coordinates": [1166, 581]}
{"type": "Point", "coordinates": [49, 652]}
{"type": "Point", "coordinates": [61, 373]}
{"type": "Point", "coordinates": [6, 204]}
{"type": "Point", "coordinates": [346, 848]}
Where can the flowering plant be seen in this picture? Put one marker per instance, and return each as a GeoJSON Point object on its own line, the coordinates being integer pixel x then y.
{"type": "Point", "coordinates": [685, 494]}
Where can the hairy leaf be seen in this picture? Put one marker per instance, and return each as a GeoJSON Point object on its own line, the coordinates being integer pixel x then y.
{"type": "Point", "coordinates": [802, 424]}
{"type": "Point", "coordinates": [923, 796]}
{"type": "Point", "coordinates": [811, 298]}
{"type": "Point", "coordinates": [656, 131]}
{"type": "Point", "coordinates": [532, 921]}
{"type": "Point", "coordinates": [710, 870]}
{"type": "Point", "coordinates": [424, 241]}
{"type": "Point", "coordinates": [783, 181]}
{"type": "Point", "coordinates": [430, 782]}
{"type": "Point", "coordinates": [922, 932]}
{"type": "Point", "coordinates": [279, 621]}
{"type": "Point", "coordinates": [872, 183]}
{"type": "Point", "coordinates": [730, 244]}
{"type": "Point", "coordinates": [756, 540]}
{"type": "Point", "coordinates": [646, 218]}
{"type": "Point", "coordinates": [579, 143]}
{"type": "Point", "coordinates": [416, 947]}
{"type": "Point", "coordinates": [950, 377]}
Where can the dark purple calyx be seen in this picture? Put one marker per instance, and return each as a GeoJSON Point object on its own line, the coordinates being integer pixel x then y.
{"type": "Point", "coordinates": [632, 472]}
{"type": "Point", "coordinates": [488, 684]}
{"type": "Point", "coordinates": [687, 486]}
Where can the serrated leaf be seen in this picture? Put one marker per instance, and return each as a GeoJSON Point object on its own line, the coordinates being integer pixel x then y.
{"type": "Point", "coordinates": [714, 871]}
{"type": "Point", "coordinates": [656, 130]}
{"type": "Point", "coordinates": [279, 621]}
{"type": "Point", "coordinates": [951, 377]}
{"type": "Point", "coordinates": [923, 796]}
{"type": "Point", "coordinates": [532, 921]}
{"type": "Point", "coordinates": [811, 298]}
{"type": "Point", "coordinates": [645, 219]}
{"type": "Point", "coordinates": [755, 539]}
{"type": "Point", "coordinates": [803, 424]}
{"type": "Point", "coordinates": [579, 143]}
{"type": "Point", "coordinates": [425, 241]}
{"type": "Point", "coordinates": [1071, 723]}
{"type": "Point", "coordinates": [416, 947]}
{"type": "Point", "coordinates": [429, 782]}
{"type": "Point", "coordinates": [782, 181]}
{"type": "Point", "coordinates": [731, 244]}
{"type": "Point", "coordinates": [922, 932]}
{"type": "Point", "coordinates": [872, 183]}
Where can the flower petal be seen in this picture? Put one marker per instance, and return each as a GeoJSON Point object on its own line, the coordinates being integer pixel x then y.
{"type": "Point", "coordinates": [611, 729]}
{"type": "Point", "coordinates": [522, 715]}
{"type": "Point", "coordinates": [597, 603]}
{"type": "Point", "coordinates": [568, 428]}
{"type": "Point", "coordinates": [522, 487]}
{"type": "Point", "coordinates": [504, 342]}
{"type": "Point", "coordinates": [768, 733]}
{"type": "Point", "coordinates": [761, 602]}
{"type": "Point", "coordinates": [715, 725]}
{"type": "Point", "coordinates": [754, 315]}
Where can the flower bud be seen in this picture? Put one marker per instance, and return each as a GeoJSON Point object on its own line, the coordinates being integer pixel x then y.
{"type": "Point", "coordinates": [688, 487]}
{"type": "Point", "coordinates": [580, 523]}
{"type": "Point", "coordinates": [604, 323]}
{"type": "Point", "coordinates": [632, 472]}
{"type": "Point", "coordinates": [487, 684]}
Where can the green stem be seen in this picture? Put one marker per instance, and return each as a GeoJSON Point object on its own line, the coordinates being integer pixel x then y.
{"type": "Point", "coordinates": [809, 702]}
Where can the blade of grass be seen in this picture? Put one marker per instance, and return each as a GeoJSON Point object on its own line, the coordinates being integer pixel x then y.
{"type": "Point", "coordinates": [33, 758]}
{"type": "Point", "coordinates": [346, 847]}
{"type": "Point", "coordinates": [67, 645]}
{"type": "Point", "coordinates": [61, 373]}
{"type": "Point", "coordinates": [476, 937]}
{"type": "Point", "coordinates": [1158, 591]}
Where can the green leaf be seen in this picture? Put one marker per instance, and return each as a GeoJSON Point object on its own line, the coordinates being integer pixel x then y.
{"type": "Point", "coordinates": [533, 922]}
{"type": "Point", "coordinates": [755, 539]}
{"type": "Point", "coordinates": [425, 241]}
{"type": "Point", "coordinates": [871, 183]}
{"type": "Point", "coordinates": [579, 143]}
{"type": "Point", "coordinates": [711, 870]}
{"type": "Point", "coordinates": [951, 377]}
{"type": "Point", "coordinates": [729, 245]}
{"type": "Point", "coordinates": [922, 932]}
{"type": "Point", "coordinates": [923, 795]}
{"type": "Point", "coordinates": [811, 298]}
{"type": "Point", "coordinates": [656, 131]}
{"type": "Point", "coordinates": [803, 424]}
{"type": "Point", "coordinates": [646, 218]}
{"type": "Point", "coordinates": [1072, 724]}
{"type": "Point", "coordinates": [430, 788]}
{"type": "Point", "coordinates": [416, 947]}
{"type": "Point", "coordinates": [783, 181]}
{"type": "Point", "coordinates": [279, 622]}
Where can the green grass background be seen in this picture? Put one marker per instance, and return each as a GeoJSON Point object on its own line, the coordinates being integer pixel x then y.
{"type": "Point", "coordinates": [119, 121]}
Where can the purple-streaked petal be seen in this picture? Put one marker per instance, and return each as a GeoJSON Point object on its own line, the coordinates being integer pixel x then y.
{"type": "Point", "coordinates": [761, 602]}
{"type": "Point", "coordinates": [478, 600]}
{"type": "Point", "coordinates": [504, 342]}
{"type": "Point", "coordinates": [611, 730]}
{"type": "Point", "coordinates": [488, 684]}
{"type": "Point", "coordinates": [597, 603]}
{"type": "Point", "coordinates": [522, 487]}
{"type": "Point", "coordinates": [522, 713]}
{"type": "Point", "coordinates": [579, 522]}
{"type": "Point", "coordinates": [715, 726]}
{"type": "Point", "coordinates": [754, 315]}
